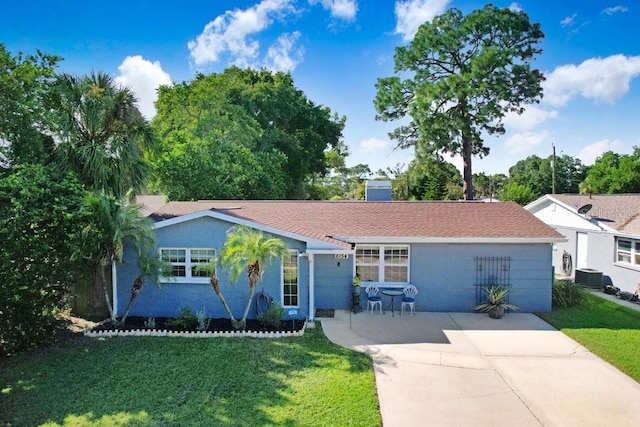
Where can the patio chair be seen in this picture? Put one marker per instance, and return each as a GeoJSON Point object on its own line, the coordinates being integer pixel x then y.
{"type": "Point", "coordinates": [409, 298]}
{"type": "Point", "coordinates": [373, 298]}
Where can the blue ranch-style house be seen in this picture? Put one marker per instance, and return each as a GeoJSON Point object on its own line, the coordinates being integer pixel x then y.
{"type": "Point", "coordinates": [448, 250]}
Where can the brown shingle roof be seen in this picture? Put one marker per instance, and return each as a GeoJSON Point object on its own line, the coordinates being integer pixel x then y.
{"type": "Point", "coordinates": [618, 211]}
{"type": "Point", "coordinates": [326, 220]}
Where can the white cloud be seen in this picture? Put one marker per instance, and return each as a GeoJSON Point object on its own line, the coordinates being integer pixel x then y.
{"type": "Point", "coordinates": [283, 56]}
{"type": "Point", "coordinates": [515, 7]}
{"type": "Point", "coordinates": [525, 142]}
{"type": "Point", "coordinates": [590, 153]}
{"type": "Point", "coordinates": [410, 14]}
{"type": "Point", "coordinates": [231, 32]}
{"type": "Point", "coordinates": [143, 77]}
{"type": "Point", "coordinates": [569, 20]}
{"type": "Point", "coordinates": [372, 145]}
{"type": "Point", "coordinates": [615, 9]}
{"type": "Point", "coordinates": [342, 9]}
{"type": "Point", "coordinates": [601, 79]}
{"type": "Point", "coordinates": [529, 119]}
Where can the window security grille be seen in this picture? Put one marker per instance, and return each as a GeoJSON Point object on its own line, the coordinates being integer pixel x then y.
{"type": "Point", "coordinates": [492, 270]}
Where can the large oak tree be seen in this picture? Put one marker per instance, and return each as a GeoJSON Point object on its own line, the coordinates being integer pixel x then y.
{"type": "Point", "coordinates": [458, 78]}
{"type": "Point", "coordinates": [257, 113]}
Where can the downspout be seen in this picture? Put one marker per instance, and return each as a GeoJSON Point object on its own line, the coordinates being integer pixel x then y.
{"type": "Point", "coordinates": [114, 287]}
{"type": "Point", "coordinates": [312, 291]}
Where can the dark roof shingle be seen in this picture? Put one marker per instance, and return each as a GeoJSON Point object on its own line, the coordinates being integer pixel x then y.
{"type": "Point", "coordinates": [618, 211]}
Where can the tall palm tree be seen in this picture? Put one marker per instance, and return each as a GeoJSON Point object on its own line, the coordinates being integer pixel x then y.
{"type": "Point", "coordinates": [113, 223]}
{"type": "Point", "coordinates": [247, 249]}
{"type": "Point", "coordinates": [100, 133]}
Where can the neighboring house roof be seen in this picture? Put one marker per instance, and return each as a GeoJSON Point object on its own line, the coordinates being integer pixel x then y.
{"type": "Point", "coordinates": [338, 222]}
{"type": "Point", "coordinates": [620, 212]}
{"type": "Point", "coordinates": [150, 203]}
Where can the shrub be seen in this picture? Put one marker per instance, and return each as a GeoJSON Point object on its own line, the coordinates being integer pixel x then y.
{"type": "Point", "coordinates": [41, 221]}
{"type": "Point", "coordinates": [203, 322]}
{"type": "Point", "coordinates": [272, 316]}
{"type": "Point", "coordinates": [150, 323]}
{"type": "Point", "coordinates": [186, 321]}
{"type": "Point", "coordinates": [567, 294]}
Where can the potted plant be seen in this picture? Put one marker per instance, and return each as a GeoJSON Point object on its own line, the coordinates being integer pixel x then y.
{"type": "Point", "coordinates": [496, 301]}
{"type": "Point", "coordinates": [356, 284]}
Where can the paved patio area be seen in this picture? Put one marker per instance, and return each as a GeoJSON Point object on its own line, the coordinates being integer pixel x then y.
{"type": "Point", "coordinates": [465, 369]}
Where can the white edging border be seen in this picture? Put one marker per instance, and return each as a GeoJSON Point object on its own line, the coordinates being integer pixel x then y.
{"type": "Point", "coordinates": [194, 334]}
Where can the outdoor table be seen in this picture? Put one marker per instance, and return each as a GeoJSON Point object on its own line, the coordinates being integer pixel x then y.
{"type": "Point", "coordinates": [393, 293]}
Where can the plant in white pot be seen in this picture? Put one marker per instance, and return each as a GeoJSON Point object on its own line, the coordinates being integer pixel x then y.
{"type": "Point", "coordinates": [495, 301]}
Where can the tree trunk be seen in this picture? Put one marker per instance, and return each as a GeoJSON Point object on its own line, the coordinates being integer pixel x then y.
{"type": "Point", "coordinates": [107, 298]}
{"type": "Point", "coordinates": [467, 186]}
{"type": "Point", "coordinates": [135, 290]}
{"type": "Point", "coordinates": [213, 279]}
{"type": "Point", "coordinates": [252, 291]}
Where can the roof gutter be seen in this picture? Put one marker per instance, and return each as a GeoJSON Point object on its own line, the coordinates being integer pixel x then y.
{"type": "Point", "coordinates": [454, 240]}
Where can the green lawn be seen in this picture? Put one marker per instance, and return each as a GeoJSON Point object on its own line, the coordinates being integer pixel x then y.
{"type": "Point", "coordinates": [305, 381]}
{"type": "Point", "coordinates": [607, 329]}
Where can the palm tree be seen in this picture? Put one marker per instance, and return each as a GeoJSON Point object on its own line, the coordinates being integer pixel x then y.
{"type": "Point", "coordinates": [149, 265]}
{"type": "Point", "coordinates": [210, 268]}
{"type": "Point", "coordinates": [100, 133]}
{"type": "Point", "coordinates": [246, 249]}
{"type": "Point", "coordinates": [112, 223]}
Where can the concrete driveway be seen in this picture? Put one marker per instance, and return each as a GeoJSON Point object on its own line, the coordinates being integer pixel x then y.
{"type": "Point", "coordinates": [465, 369]}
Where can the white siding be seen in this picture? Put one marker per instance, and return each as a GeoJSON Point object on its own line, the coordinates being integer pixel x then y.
{"type": "Point", "coordinates": [558, 216]}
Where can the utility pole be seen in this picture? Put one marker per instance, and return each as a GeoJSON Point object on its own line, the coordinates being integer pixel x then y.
{"type": "Point", "coordinates": [553, 170]}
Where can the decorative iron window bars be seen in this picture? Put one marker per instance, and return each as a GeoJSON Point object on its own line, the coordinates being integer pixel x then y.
{"type": "Point", "coordinates": [492, 270]}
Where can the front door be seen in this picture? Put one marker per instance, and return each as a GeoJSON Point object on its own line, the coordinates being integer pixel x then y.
{"type": "Point", "coordinates": [581, 250]}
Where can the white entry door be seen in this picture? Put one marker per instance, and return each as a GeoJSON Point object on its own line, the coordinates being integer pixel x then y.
{"type": "Point", "coordinates": [581, 250]}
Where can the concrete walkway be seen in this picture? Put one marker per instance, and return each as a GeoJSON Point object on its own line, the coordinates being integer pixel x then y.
{"type": "Point", "coordinates": [465, 369]}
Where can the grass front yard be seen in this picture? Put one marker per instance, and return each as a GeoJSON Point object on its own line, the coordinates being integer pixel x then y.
{"type": "Point", "coordinates": [607, 329]}
{"type": "Point", "coordinates": [305, 381]}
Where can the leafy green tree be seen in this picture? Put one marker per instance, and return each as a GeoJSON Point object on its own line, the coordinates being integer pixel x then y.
{"type": "Point", "coordinates": [537, 174]}
{"type": "Point", "coordinates": [191, 168]}
{"type": "Point", "coordinates": [25, 83]}
{"type": "Point", "coordinates": [431, 178]}
{"type": "Point", "coordinates": [458, 78]}
{"type": "Point", "coordinates": [521, 194]}
{"type": "Point", "coordinates": [41, 221]}
{"type": "Point", "coordinates": [101, 133]}
{"type": "Point", "coordinates": [486, 186]}
{"type": "Point", "coordinates": [113, 223]}
{"type": "Point", "coordinates": [262, 111]}
{"type": "Point", "coordinates": [614, 173]}
{"type": "Point", "coordinates": [248, 250]}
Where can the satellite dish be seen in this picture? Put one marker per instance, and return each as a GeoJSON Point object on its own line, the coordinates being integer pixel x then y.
{"type": "Point", "coordinates": [584, 209]}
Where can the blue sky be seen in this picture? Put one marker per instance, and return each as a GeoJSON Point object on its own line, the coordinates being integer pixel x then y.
{"type": "Point", "coordinates": [337, 49]}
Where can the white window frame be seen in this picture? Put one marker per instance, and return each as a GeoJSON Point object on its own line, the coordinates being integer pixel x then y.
{"type": "Point", "coordinates": [633, 253]}
{"type": "Point", "coordinates": [382, 264]}
{"type": "Point", "coordinates": [282, 284]}
{"type": "Point", "coordinates": [188, 264]}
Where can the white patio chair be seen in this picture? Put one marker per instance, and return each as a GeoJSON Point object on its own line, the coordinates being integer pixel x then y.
{"type": "Point", "coordinates": [373, 298]}
{"type": "Point", "coordinates": [409, 298]}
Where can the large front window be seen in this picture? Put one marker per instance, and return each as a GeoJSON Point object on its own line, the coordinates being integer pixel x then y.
{"type": "Point", "coordinates": [186, 263]}
{"type": "Point", "coordinates": [383, 263]}
{"type": "Point", "coordinates": [290, 280]}
{"type": "Point", "coordinates": [628, 251]}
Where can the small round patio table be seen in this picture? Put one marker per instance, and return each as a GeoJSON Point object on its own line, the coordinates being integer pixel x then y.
{"type": "Point", "coordinates": [393, 293]}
